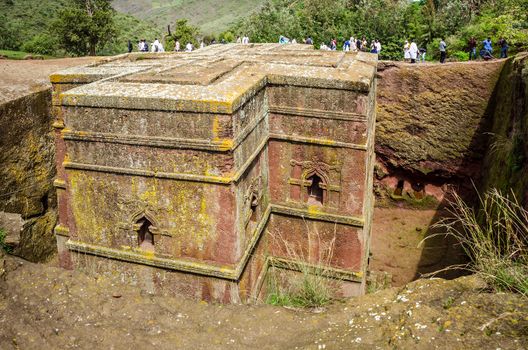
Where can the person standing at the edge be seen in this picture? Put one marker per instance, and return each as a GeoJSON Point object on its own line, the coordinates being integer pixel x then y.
{"type": "Point", "coordinates": [503, 47]}
{"type": "Point", "coordinates": [406, 53]}
{"type": "Point", "coordinates": [487, 45]}
{"type": "Point", "coordinates": [413, 51]}
{"type": "Point", "coordinates": [378, 46]}
{"type": "Point", "coordinates": [443, 50]}
{"type": "Point", "coordinates": [472, 46]}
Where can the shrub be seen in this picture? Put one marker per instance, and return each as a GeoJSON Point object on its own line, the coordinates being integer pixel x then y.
{"type": "Point", "coordinates": [459, 56]}
{"type": "Point", "coordinates": [43, 44]}
{"type": "Point", "coordinates": [391, 50]}
{"type": "Point", "coordinates": [227, 36]}
{"type": "Point", "coordinates": [495, 237]}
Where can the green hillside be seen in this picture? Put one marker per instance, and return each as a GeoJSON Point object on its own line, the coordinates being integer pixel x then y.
{"type": "Point", "coordinates": [25, 24]}
{"type": "Point", "coordinates": [211, 16]}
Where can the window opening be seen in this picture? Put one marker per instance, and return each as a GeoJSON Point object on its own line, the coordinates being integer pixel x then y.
{"type": "Point", "coordinates": [253, 209]}
{"type": "Point", "coordinates": [315, 191]}
{"type": "Point", "coordinates": [399, 188]}
{"type": "Point", "coordinates": [145, 236]}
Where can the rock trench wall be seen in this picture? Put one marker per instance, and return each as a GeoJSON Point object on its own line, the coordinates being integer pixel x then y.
{"type": "Point", "coordinates": [27, 172]}
{"type": "Point", "coordinates": [505, 162]}
{"type": "Point", "coordinates": [432, 127]}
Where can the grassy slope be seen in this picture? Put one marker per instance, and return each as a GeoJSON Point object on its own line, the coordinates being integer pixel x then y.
{"type": "Point", "coordinates": [27, 18]}
{"type": "Point", "coordinates": [211, 16]}
{"type": "Point", "coordinates": [13, 55]}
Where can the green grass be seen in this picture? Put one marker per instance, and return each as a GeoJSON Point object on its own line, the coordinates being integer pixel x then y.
{"type": "Point", "coordinates": [14, 55]}
{"type": "Point", "coordinates": [3, 246]}
{"type": "Point", "coordinates": [307, 282]}
{"type": "Point", "coordinates": [19, 55]}
{"type": "Point", "coordinates": [495, 237]}
{"type": "Point", "coordinates": [212, 17]}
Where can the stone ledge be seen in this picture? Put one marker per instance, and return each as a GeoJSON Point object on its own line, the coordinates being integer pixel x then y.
{"type": "Point", "coordinates": [317, 113]}
{"type": "Point", "coordinates": [316, 214]}
{"type": "Point", "coordinates": [148, 173]}
{"type": "Point", "coordinates": [223, 145]}
{"type": "Point", "coordinates": [316, 141]}
{"type": "Point", "coordinates": [144, 258]}
{"type": "Point", "coordinates": [62, 231]}
{"type": "Point", "coordinates": [325, 271]}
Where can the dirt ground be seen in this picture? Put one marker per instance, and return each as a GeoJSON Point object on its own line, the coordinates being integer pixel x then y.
{"type": "Point", "coordinates": [44, 307]}
{"type": "Point", "coordinates": [19, 78]}
{"type": "Point", "coordinates": [398, 247]}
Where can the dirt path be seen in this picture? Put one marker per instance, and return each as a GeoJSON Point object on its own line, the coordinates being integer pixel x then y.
{"type": "Point", "coordinates": [19, 78]}
{"type": "Point", "coordinates": [43, 307]}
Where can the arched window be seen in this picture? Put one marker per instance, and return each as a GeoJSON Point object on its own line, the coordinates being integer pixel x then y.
{"type": "Point", "coordinates": [315, 191]}
{"type": "Point", "coordinates": [253, 209]}
{"type": "Point", "coordinates": [145, 236]}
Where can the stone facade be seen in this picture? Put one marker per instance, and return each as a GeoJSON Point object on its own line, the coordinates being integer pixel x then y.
{"type": "Point", "coordinates": [200, 173]}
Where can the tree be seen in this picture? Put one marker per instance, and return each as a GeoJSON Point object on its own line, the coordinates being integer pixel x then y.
{"type": "Point", "coordinates": [186, 33]}
{"type": "Point", "coordinates": [85, 26]}
{"type": "Point", "coordinates": [7, 36]}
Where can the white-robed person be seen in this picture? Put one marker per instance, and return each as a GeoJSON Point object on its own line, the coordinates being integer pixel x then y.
{"type": "Point", "coordinates": [406, 54]}
{"type": "Point", "coordinates": [353, 46]}
{"type": "Point", "coordinates": [413, 51]}
{"type": "Point", "coordinates": [188, 47]}
{"type": "Point", "coordinates": [154, 47]}
{"type": "Point", "coordinates": [177, 46]}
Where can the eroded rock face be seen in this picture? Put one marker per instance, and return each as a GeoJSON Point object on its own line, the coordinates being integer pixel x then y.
{"type": "Point", "coordinates": [27, 172]}
{"type": "Point", "coordinates": [432, 122]}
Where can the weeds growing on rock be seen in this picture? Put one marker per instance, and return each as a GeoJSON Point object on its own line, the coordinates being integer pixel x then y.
{"type": "Point", "coordinates": [495, 238]}
{"type": "Point", "coordinates": [303, 280]}
{"type": "Point", "coordinates": [3, 246]}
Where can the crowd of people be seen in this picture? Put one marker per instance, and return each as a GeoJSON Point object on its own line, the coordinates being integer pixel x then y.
{"type": "Point", "coordinates": [486, 52]}
{"type": "Point", "coordinates": [351, 44]}
{"type": "Point", "coordinates": [143, 46]}
{"type": "Point", "coordinates": [411, 52]}
{"type": "Point", "coordinates": [157, 46]}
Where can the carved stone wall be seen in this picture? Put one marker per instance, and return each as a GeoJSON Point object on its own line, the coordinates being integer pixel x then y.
{"type": "Point", "coordinates": [184, 168]}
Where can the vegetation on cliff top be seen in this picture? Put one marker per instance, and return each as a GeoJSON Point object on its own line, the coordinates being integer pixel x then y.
{"type": "Point", "coordinates": [30, 25]}
{"type": "Point", "coordinates": [392, 22]}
